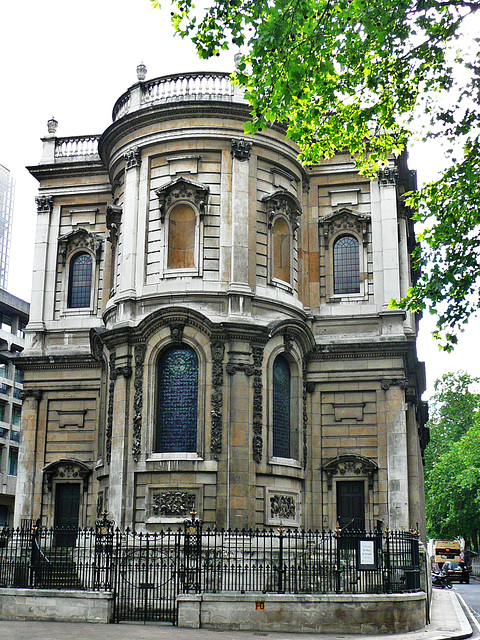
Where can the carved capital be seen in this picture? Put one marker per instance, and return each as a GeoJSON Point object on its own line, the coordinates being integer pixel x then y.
{"type": "Point", "coordinates": [125, 371]}
{"type": "Point", "coordinates": [400, 382]}
{"type": "Point", "coordinates": [241, 149]}
{"type": "Point", "coordinates": [132, 158]}
{"type": "Point", "coordinates": [44, 204]}
{"type": "Point", "coordinates": [388, 176]}
{"type": "Point", "coordinates": [248, 369]}
{"type": "Point", "coordinates": [36, 394]}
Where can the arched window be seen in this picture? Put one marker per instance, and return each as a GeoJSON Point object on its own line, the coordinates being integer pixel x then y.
{"type": "Point", "coordinates": [281, 408]}
{"type": "Point", "coordinates": [281, 250]}
{"type": "Point", "coordinates": [181, 238]}
{"type": "Point", "coordinates": [346, 265]}
{"type": "Point", "coordinates": [177, 400]}
{"type": "Point", "coordinates": [80, 281]}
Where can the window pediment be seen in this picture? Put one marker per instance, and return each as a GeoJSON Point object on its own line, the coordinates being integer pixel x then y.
{"type": "Point", "coordinates": [343, 220]}
{"type": "Point", "coordinates": [183, 189]}
{"type": "Point", "coordinates": [283, 203]}
{"type": "Point", "coordinates": [79, 239]}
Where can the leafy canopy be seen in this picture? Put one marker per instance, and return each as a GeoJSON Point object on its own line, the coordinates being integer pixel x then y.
{"type": "Point", "coordinates": [361, 75]}
{"type": "Point", "coordinates": [452, 459]}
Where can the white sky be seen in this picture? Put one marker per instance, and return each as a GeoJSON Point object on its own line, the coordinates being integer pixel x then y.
{"type": "Point", "coordinates": [72, 61]}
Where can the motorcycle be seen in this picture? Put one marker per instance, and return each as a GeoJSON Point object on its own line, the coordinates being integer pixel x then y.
{"type": "Point", "coordinates": [441, 580]}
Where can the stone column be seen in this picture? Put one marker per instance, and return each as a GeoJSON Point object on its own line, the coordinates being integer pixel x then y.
{"type": "Point", "coordinates": [239, 284]}
{"type": "Point", "coordinates": [119, 452]}
{"type": "Point", "coordinates": [27, 458]}
{"type": "Point", "coordinates": [397, 455]}
{"type": "Point", "coordinates": [240, 463]}
{"type": "Point", "coordinates": [127, 284]}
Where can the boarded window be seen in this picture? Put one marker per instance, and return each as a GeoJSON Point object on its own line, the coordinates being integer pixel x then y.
{"type": "Point", "coordinates": [281, 250]}
{"type": "Point", "coordinates": [181, 238]}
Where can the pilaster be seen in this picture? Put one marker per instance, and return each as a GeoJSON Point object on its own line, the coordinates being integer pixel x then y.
{"type": "Point", "coordinates": [37, 306]}
{"type": "Point", "coordinates": [120, 453]}
{"type": "Point", "coordinates": [240, 462]}
{"type": "Point", "coordinates": [239, 284]}
{"type": "Point", "coordinates": [386, 264]}
{"type": "Point", "coordinates": [397, 454]}
{"type": "Point", "coordinates": [27, 462]}
{"type": "Point", "coordinates": [127, 284]}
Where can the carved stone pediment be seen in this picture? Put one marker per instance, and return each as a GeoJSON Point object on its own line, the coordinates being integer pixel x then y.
{"type": "Point", "coordinates": [66, 469]}
{"type": "Point", "coordinates": [350, 465]}
{"type": "Point", "coordinates": [282, 202]}
{"type": "Point", "coordinates": [183, 189]}
{"type": "Point", "coordinates": [79, 239]}
{"type": "Point", "coordinates": [343, 220]}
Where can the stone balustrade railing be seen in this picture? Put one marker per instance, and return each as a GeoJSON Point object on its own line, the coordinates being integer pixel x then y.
{"type": "Point", "coordinates": [76, 147]}
{"type": "Point", "coordinates": [166, 89]}
{"type": "Point", "coordinates": [176, 88]}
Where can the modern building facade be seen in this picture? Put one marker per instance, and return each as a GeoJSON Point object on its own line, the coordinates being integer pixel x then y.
{"type": "Point", "coordinates": [210, 327]}
{"type": "Point", "coordinates": [7, 194]}
{"type": "Point", "coordinates": [14, 317]}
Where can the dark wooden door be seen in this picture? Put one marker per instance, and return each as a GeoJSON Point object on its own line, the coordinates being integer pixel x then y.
{"type": "Point", "coordinates": [67, 506]}
{"type": "Point", "coordinates": [351, 505]}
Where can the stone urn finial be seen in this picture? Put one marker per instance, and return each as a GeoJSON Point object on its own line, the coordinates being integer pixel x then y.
{"type": "Point", "coordinates": [236, 58]}
{"type": "Point", "coordinates": [141, 72]}
{"type": "Point", "coordinates": [52, 125]}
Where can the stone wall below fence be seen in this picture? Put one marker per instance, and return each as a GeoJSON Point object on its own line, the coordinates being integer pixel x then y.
{"type": "Point", "coordinates": [51, 604]}
{"type": "Point", "coordinates": [338, 614]}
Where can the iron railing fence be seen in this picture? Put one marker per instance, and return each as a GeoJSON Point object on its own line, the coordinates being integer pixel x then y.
{"type": "Point", "coordinates": [160, 565]}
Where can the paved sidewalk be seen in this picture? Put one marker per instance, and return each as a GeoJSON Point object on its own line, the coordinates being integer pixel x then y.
{"type": "Point", "coordinates": [448, 623]}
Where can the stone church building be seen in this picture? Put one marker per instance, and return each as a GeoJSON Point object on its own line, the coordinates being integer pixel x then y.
{"type": "Point", "coordinates": [210, 327]}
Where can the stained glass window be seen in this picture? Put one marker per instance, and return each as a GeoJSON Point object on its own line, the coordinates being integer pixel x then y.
{"type": "Point", "coordinates": [346, 265]}
{"type": "Point", "coordinates": [80, 281]}
{"type": "Point", "coordinates": [177, 400]}
{"type": "Point", "coordinates": [281, 407]}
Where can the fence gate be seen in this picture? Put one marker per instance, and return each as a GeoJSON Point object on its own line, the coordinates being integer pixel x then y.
{"type": "Point", "coordinates": [147, 576]}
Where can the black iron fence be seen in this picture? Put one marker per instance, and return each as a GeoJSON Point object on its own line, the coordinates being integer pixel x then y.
{"type": "Point", "coordinates": [146, 571]}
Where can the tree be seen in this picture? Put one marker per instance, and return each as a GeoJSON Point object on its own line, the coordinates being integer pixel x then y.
{"type": "Point", "coordinates": [357, 75]}
{"type": "Point", "coordinates": [452, 460]}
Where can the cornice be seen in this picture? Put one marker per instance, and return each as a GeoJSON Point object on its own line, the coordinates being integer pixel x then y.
{"type": "Point", "coordinates": [43, 171]}
{"type": "Point", "coordinates": [55, 362]}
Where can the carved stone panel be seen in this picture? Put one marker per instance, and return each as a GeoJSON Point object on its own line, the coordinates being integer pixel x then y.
{"type": "Point", "coordinates": [218, 350]}
{"type": "Point", "coordinates": [283, 508]}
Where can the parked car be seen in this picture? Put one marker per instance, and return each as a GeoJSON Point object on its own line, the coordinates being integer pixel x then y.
{"type": "Point", "coordinates": [456, 571]}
